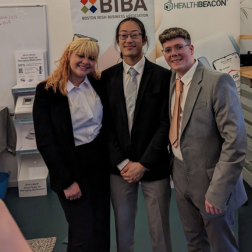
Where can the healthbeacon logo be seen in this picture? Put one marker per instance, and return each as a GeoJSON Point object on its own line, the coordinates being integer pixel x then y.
{"type": "Point", "coordinates": [88, 6]}
{"type": "Point", "coordinates": [196, 4]}
{"type": "Point", "coordinates": [168, 6]}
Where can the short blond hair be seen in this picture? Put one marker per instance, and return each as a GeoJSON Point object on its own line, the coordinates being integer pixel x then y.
{"type": "Point", "coordinates": [60, 76]}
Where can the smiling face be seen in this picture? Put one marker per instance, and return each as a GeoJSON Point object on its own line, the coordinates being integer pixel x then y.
{"type": "Point", "coordinates": [132, 49]}
{"type": "Point", "coordinates": [181, 61]}
{"type": "Point", "coordinates": [80, 66]}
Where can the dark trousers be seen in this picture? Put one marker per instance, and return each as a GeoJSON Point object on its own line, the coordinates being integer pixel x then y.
{"type": "Point", "coordinates": [89, 216]}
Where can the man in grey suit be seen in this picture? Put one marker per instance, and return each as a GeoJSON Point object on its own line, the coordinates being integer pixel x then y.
{"type": "Point", "coordinates": [209, 146]}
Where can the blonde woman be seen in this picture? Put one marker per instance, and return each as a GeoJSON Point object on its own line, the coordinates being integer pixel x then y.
{"type": "Point", "coordinates": [68, 116]}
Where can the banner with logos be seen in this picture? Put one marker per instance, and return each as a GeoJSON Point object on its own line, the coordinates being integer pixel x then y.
{"type": "Point", "coordinates": [99, 19]}
{"type": "Point", "coordinates": [214, 27]}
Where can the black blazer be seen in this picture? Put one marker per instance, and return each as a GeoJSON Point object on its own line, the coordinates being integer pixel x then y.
{"type": "Point", "coordinates": [149, 134]}
{"type": "Point", "coordinates": [54, 135]}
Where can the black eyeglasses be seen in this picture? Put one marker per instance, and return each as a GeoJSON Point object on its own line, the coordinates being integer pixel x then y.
{"type": "Point", "coordinates": [132, 35]}
{"type": "Point", "coordinates": [84, 36]}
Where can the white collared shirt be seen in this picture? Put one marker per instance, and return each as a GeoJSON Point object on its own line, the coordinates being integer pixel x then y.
{"type": "Point", "coordinates": [86, 112]}
{"type": "Point", "coordinates": [139, 67]}
{"type": "Point", "coordinates": [186, 79]}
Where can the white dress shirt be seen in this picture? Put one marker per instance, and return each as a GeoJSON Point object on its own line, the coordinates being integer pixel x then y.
{"type": "Point", "coordinates": [139, 67]}
{"type": "Point", "coordinates": [186, 79]}
{"type": "Point", "coordinates": [86, 112]}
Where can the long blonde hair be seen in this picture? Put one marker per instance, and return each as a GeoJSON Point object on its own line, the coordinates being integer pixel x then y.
{"type": "Point", "coordinates": [60, 76]}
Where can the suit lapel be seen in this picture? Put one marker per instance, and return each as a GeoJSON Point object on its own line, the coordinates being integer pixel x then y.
{"type": "Point", "coordinates": [95, 84]}
{"type": "Point", "coordinates": [192, 96]}
{"type": "Point", "coordinates": [172, 86]}
{"type": "Point", "coordinates": [119, 93]}
{"type": "Point", "coordinates": [143, 84]}
{"type": "Point", "coordinates": [62, 116]}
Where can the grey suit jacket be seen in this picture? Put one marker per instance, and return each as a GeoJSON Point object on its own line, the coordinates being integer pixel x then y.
{"type": "Point", "coordinates": [213, 139]}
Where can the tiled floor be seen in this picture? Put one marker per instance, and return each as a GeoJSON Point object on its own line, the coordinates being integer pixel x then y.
{"type": "Point", "coordinates": [40, 217]}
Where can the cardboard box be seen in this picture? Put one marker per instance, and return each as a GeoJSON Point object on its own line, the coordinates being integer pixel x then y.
{"type": "Point", "coordinates": [32, 176]}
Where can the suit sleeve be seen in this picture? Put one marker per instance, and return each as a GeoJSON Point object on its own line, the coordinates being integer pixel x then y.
{"type": "Point", "coordinates": [231, 126]}
{"type": "Point", "coordinates": [116, 154]}
{"type": "Point", "coordinates": [160, 139]}
{"type": "Point", "coordinates": [46, 140]}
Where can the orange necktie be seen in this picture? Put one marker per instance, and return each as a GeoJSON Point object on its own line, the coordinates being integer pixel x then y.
{"type": "Point", "coordinates": [175, 122]}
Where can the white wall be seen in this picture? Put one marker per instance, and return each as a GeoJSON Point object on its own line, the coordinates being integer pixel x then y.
{"type": "Point", "coordinates": [246, 27]}
{"type": "Point", "coordinates": [58, 22]}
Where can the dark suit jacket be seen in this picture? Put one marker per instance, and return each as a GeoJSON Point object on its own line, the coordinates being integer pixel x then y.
{"type": "Point", "coordinates": [54, 135]}
{"type": "Point", "coordinates": [149, 134]}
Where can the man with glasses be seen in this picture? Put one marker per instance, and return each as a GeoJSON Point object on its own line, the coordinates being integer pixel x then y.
{"type": "Point", "coordinates": [136, 120]}
{"type": "Point", "coordinates": [208, 141]}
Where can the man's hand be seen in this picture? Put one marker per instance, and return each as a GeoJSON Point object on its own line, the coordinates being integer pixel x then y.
{"type": "Point", "coordinates": [211, 209]}
{"type": "Point", "coordinates": [133, 172]}
{"type": "Point", "coordinates": [73, 192]}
